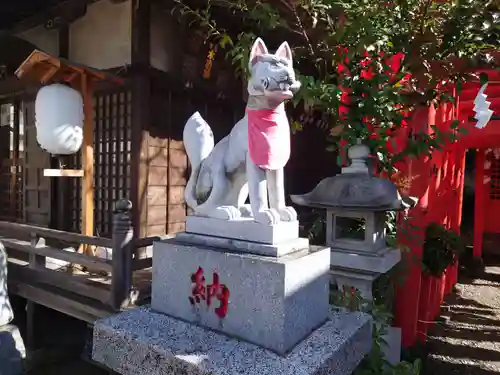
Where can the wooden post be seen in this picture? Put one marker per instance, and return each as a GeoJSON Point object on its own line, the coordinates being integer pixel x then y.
{"type": "Point", "coordinates": [406, 306]}
{"type": "Point", "coordinates": [15, 161]}
{"type": "Point", "coordinates": [121, 279]}
{"type": "Point", "coordinates": [88, 159]}
{"type": "Point", "coordinates": [141, 92]}
{"type": "Point", "coordinates": [423, 308]}
{"type": "Point", "coordinates": [35, 261]}
{"type": "Point", "coordinates": [460, 193]}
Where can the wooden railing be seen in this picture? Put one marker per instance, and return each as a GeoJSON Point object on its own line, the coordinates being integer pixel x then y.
{"type": "Point", "coordinates": [107, 282]}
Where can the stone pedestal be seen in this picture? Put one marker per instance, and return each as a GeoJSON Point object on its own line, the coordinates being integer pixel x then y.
{"type": "Point", "coordinates": [272, 302]}
{"type": "Point", "coordinates": [142, 342]}
{"type": "Point", "coordinates": [244, 229]}
{"type": "Point", "coordinates": [228, 305]}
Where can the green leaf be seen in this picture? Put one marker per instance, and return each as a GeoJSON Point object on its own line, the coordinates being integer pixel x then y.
{"type": "Point", "coordinates": [225, 40]}
{"type": "Point", "coordinates": [296, 126]}
{"type": "Point", "coordinates": [483, 78]}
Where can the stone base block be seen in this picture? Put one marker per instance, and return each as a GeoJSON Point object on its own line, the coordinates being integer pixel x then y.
{"type": "Point", "coordinates": [361, 281]}
{"type": "Point", "coordinates": [12, 350]}
{"type": "Point", "coordinates": [244, 229]}
{"type": "Point", "coordinates": [379, 263]}
{"type": "Point", "coordinates": [277, 250]}
{"type": "Point", "coordinates": [141, 342]}
{"type": "Point", "coordinates": [392, 345]}
{"type": "Point", "coordinates": [272, 302]}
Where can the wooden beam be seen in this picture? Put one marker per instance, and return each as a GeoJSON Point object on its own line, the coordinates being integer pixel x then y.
{"type": "Point", "coordinates": [72, 77]}
{"type": "Point", "coordinates": [49, 74]}
{"type": "Point", "coordinates": [74, 284]}
{"type": "Point", "coordinates": [44, 251]}
{"type": "Point", "coordinates": [80, 308]}
{"type": "Point", "coordinates": [8, 228]}
{"type": "Point", "coordinates": [63, 173]}
{"type": "Point", "coordinates": [88, 158]}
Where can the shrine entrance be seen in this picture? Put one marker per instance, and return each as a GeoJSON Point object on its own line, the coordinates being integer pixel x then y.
{"type": "Point", "coordinates": [486, 184]}
{"type": "Point", "coordinates": [486, 200]}
{"type": "Point", "coordinates": [483, 146]}
{"type": "Point", "coordinates": [438, 181]}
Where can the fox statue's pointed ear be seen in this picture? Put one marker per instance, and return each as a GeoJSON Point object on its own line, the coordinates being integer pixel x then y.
{"type": "Point", "coordinates": [258, 49]}
{"type": "Point", "coordinates": [285, 52]}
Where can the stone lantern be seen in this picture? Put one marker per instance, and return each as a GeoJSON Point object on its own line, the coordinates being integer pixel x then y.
{"type": "Point", "coordinates": [356, 206]}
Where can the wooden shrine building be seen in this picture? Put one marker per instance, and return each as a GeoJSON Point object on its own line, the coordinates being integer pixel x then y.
{"type": "Point", "coordinates": [137, 124]}
{"type": "Point", "coordinates": [147, 78]}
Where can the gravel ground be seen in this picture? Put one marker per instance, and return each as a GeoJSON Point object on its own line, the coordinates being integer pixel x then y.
{"type": "Point", "coordinates": [74, 367]}
{"type": "Point", "coordinates": [467, 340]}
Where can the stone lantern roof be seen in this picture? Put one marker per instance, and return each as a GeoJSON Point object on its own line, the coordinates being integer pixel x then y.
{"type": "Point", "coordinates": [356, 189]}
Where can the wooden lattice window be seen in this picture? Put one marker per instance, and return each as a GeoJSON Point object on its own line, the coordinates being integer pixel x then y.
{"type": "Point", "coordinates": [495, 179]}
{"type": "Point", "coordinates": [112, 153]}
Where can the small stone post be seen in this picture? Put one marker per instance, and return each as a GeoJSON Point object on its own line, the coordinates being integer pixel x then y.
{"type": "Point", "coordinates": [121, 279]}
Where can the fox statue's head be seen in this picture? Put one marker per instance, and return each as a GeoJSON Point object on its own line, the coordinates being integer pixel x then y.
{"type": "Point", "coordinates": [272, 75]}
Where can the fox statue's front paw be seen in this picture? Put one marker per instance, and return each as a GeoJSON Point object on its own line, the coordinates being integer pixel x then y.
{"type": "Point", "coordinates": [287, 214]}
{"type": "Point", "coordinates": [227, 213]}
{"type": "Point", "coordinates": [246, 210]}
{"type": "Point", "coordinates": [267, 217]}
{"type": "Point", "coordinates": [222, 212]}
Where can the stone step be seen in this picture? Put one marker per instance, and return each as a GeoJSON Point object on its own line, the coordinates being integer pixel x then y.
{"type": "Point", "coordinates": [142, 341]}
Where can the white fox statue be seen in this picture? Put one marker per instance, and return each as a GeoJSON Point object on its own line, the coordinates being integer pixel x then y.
{"type": "Point", "coordinates": [249, 161]}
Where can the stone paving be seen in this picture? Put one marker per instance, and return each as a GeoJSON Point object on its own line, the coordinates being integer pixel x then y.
{"type": "Point", "coordinates": [467, 341]}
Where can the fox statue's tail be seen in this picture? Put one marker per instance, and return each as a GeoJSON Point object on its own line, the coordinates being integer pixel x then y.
{"type": "Point", "coordinates": [199, 143]}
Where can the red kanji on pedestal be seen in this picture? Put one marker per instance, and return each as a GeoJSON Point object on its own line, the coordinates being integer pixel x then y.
{"type": "Point", "coordinates": [216, 289]}
{"type": "Point", "coordinates": [223, 297]}
{"type": "Point", "coordinates": [213, 288]}
{"type": "Point", "coordinates": [198, 292]}
{"type": "Point", "coordinates": [221, 292]}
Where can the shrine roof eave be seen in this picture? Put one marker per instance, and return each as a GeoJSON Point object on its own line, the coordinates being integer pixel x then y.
{"type": "Point", "coordinates": [44, 68]}
{"type": "Point", "coordinates": [13, 13]}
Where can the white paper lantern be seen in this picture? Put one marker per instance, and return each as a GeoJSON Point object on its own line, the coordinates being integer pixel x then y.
{"type": "Point", "coordinates": [59, 119]}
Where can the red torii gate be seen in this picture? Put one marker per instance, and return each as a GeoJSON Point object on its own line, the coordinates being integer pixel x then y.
{"type": "Point", "coordinates": [438, 182]}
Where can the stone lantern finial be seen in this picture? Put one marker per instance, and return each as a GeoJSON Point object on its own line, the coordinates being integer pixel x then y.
{"type": "Point", "coordinates": [358, 154]}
